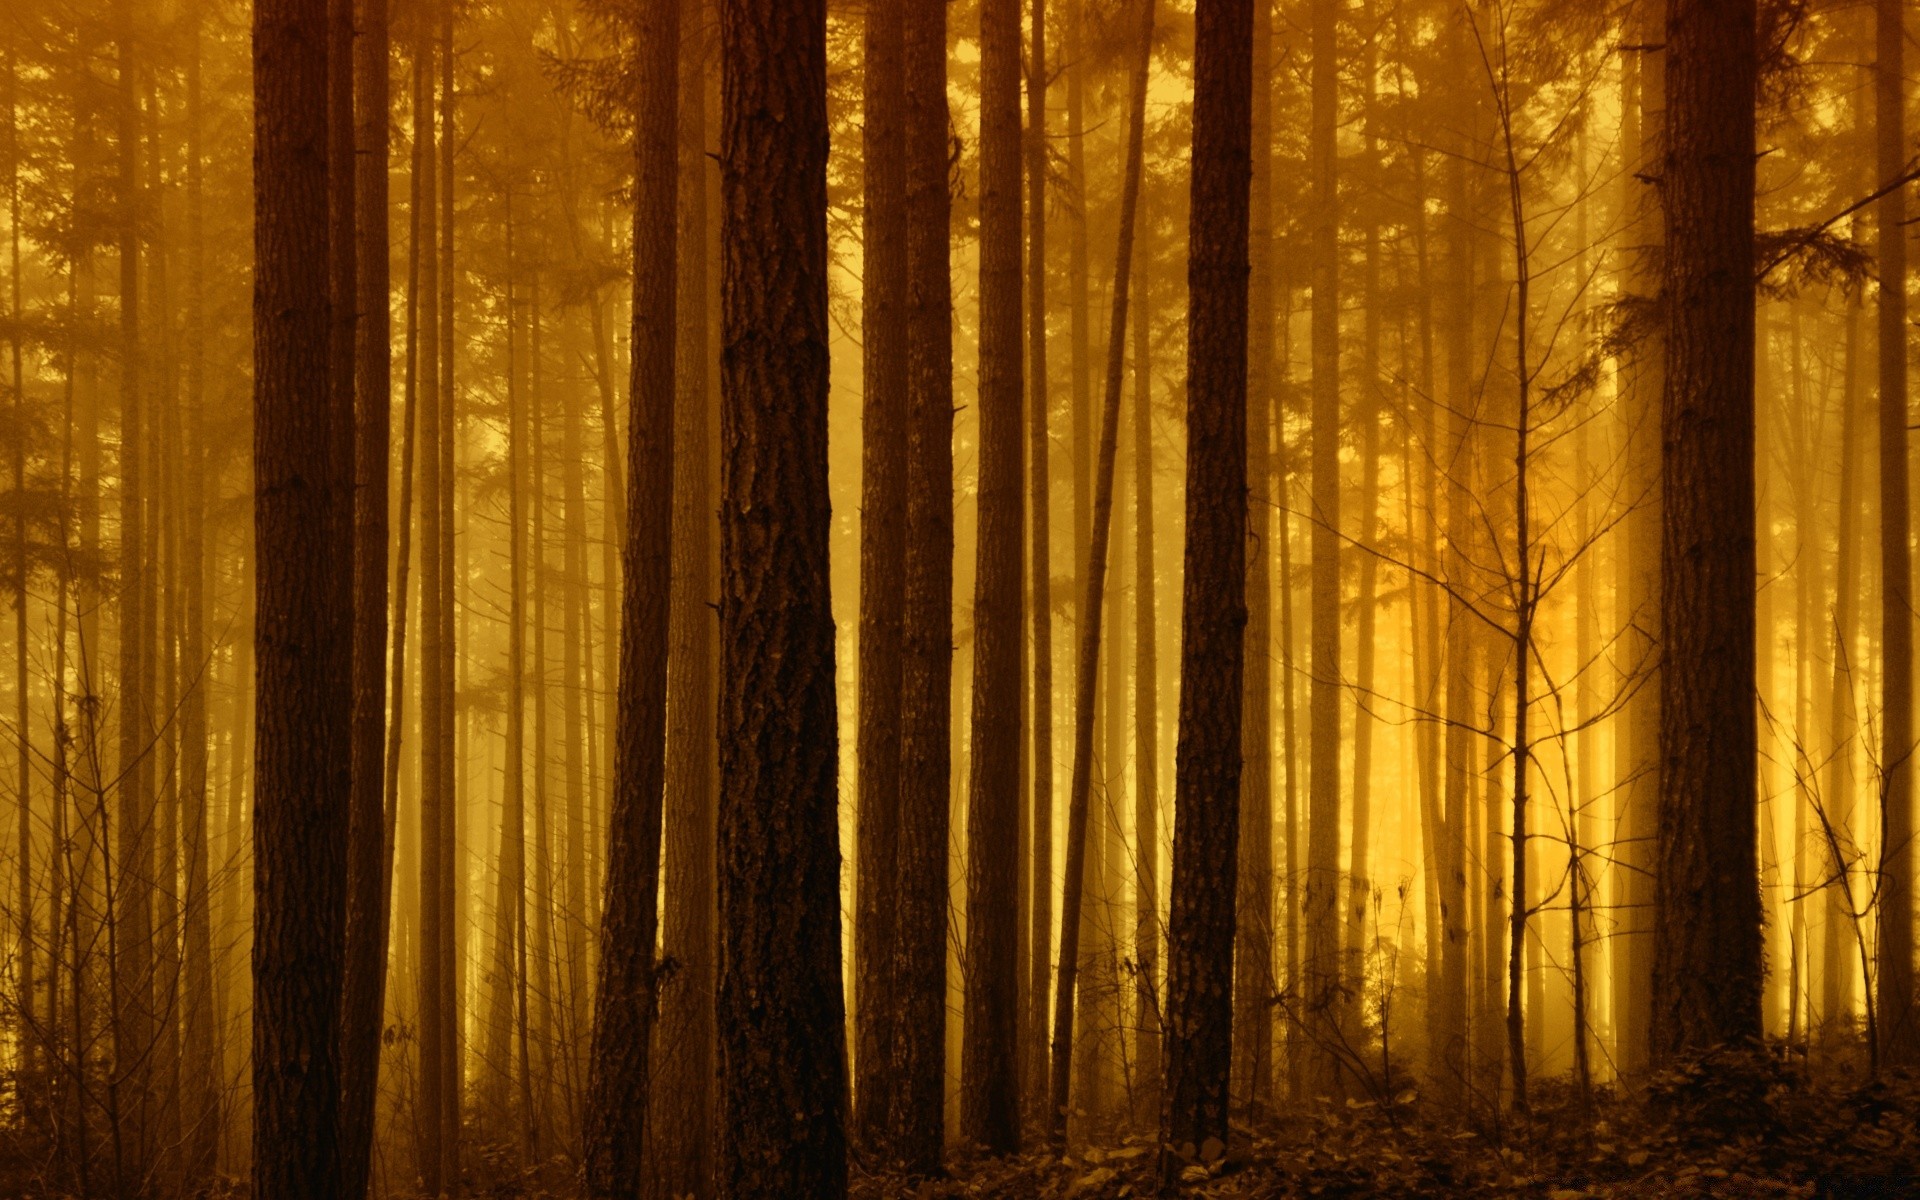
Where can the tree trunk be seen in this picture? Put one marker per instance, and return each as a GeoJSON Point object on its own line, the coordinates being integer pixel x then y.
{"type": "Point", "coordinates": [1253, 984]}
{"type": "Point", "coordinates": [303, 637]}
{"type": "Point", "coordinates": [1148, 1068]}
{"type": "Point", "coordinates": [1213, 603]}
{"type": "Point", "coordinates": [367, 845]}
{"type": "Point", "coordinates": [1087, 673]}
{"type": "Point", "coordinates": [926, 748]}
{"type": "Point", "coordinates": [1900, 1038]}
{"type": "Point", "coordinates": [1707, 961]}
{"type": "Point", "coordinates": [682, 1140]}
{"type": "Point", "coordinates": [624, 999]}
{"type": "Point", "coordinates": [990, 1065]}
{"type": "Point", "coordinates": [883, 547]}
{"type": "Point", "coordinates": [1637, 746]}
{"type": "Point", "coordinates": [1320, 983]}
{"type": "Point", "coordinates": [781, 1016]}
{"type": "Point", "coordinates": [1040, 569]}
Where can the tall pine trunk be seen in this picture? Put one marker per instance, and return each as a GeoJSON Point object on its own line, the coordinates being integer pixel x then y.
{"type": "Point", "coordinates": [926, 731]}
{"type": "Point", "coordinates": [1200, 929]}
{"type": "Point", "coordinates": [1707, 961]}
{"type": "Point", "coordinates": [990, 1071]}
{"type": "Point", "coordinates": [1900, 1039]}
{"type": "Point", "coordinates": [618, 1090]}
{"type": "Point", "coordinates": [883, 547]}
{"type": "Point", "coordinates": [303, 636]}
{"type": "Point", "coordinates": [781, 1015]}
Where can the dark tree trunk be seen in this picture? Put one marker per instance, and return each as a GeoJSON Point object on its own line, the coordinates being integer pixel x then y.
{"type": "Point", "coordinates": [883, 547]}
{"type": "Point", "coordinates": [1213, 599]}
{"type": "Point", "coordinates": [682, 1136]}
{"type": "Point", "coordinates": [1253, 962]}
{"type": "Point", "coordinates": [624, 1001]}
{"type": "Point", "coordinates": [367, 871]}
{"type": "Point", "coordinates": [1079, 877]}
{"type": "Point", "coordinates": [781, 1014]}
{"type": "Point", "coordinates": [1900, 1038]}
{"type": "Point", "coordinates": [920, 949]}
{"type": "Point", "coordinates": [303, 636]}
{"type": "Point", "coordinates": [1707, 959]}
{"type": "Point", "coordinates": [1039, 567]}
{"type": "Point", "coordinates": [990, 1069]}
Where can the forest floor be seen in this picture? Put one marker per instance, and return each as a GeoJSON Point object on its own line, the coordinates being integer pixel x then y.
{"type": "Point", "coordinates": [1764, 1128]}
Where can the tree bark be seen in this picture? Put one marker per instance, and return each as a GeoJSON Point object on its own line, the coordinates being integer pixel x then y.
{"type": "Point", "coordinates": [1707, 960]}
{"type": "Point", "coordinates": [618, 1083]}
{"type": "Point", "coordinates": [303, 637]}
{"type": "Point", "coordinates": [1900, 1038]}
{"type": "Point", "coordinates": [990, 1065]}
{"type": "Point", "coordinates": [883, 547]}
{"type": "Point", "coordinates": [781, 1015]}
{"type": "Point", "coordinates": [367, 848]}
{"type": "Point", "coordinates": [1200, 930]}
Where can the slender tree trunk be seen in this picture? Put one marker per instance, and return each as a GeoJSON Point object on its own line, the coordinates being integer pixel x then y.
{"type": "Point", "coordinates": [1040, 568]}
{"type": "Point", "coordinates": [436, 1037]}
{"type": "Point", "coordinates": [131, 905]}
{"type": "Point", "coordinates": [783, 1053]}
{"type": "Point", "coordinates": [624, 1000]}
{"type": "Point", "coordinates": [303, 638]}
{"type": "Point", "coordinates": [367, 842]}
{"type": "Point", "coordinates": [1253, 984]}
{"type": "Point", "coordinates": [1319, 996]}
{"type": "Point", "coordinates": [1146, 726]}
{"type": "Point", "coordinates": [202, 1052]}
{"type": "Point", "coordinates": [1638, 767]}
{"type": "Point", "coordinates": [682, 1141]}
{"type": "Point", "coordinates": [990, 1065]}
{"type": "Point", "coordinates": [1086, 677]}
{"type": "Point", "coordinates": [24, 981]}
{"type": "Point", "coordinates": [1900, 1037]}
{"type": "Point", "coordinates": [883, 547]}
{"type": "Point", "coordinates": [1200, 930]}
{"type": "Point", "coordinates": [1707, 961]}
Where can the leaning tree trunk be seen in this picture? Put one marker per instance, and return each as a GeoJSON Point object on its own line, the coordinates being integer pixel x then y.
{"type": "Point", "coordinates": [990, 1070]}
{"type": "Point", "coordinates": [624, 1001]}
{"type": "Point", "coordinates": [302, 638]}
{"type": "Point", "coordinates": [781, 1015]}
{"type": "Point", "coordinates": [1213, 614]}
{"type": "Point", "coordinates": [1707, 965]}
{"type": "Point", "coordinates": [1088, 669]}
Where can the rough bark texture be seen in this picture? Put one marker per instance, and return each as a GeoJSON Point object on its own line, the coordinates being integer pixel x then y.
{"type": "Point", "coordinates": [302, 638]}
{"type": "Point", "coordinates": [920, 955]}
{"type": "Point", "coordinates": [1707, 958]}
{"type": "Point", "coordinates": [618, 1084]}
{"type": "Point", "coordinates": [1213, 616]}
{"type": "Point", "coordinates": [1899, 1036]}
{"type": "Point", "coordinates": [367, 889]}
{"type": "Point", "coordinates": [781, 1015]}
{"type": "Point", "coordinates": [990, 1066]}
{"type": "Point", "coordinates": [883, 547]}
